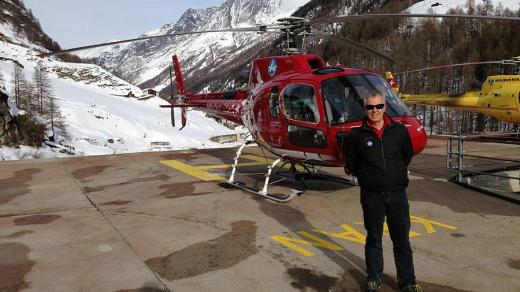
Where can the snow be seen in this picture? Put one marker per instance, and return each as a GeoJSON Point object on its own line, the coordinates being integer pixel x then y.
{"type": "Point", "coordinates": [99, 120]}
{"type": "Point", "coordinates": [26, 152]}
{"type": "Point", "coordinates": [423, 6]}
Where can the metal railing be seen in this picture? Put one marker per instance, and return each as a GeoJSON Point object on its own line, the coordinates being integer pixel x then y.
{"type": "Point", "coordinates": [500, 160]}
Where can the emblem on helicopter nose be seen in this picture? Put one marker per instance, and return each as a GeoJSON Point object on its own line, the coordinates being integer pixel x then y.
{"type": "Point", "coordinates": [271, 70]}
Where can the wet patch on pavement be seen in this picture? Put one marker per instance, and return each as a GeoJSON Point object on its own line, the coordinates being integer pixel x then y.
{"type": "Point", "coordinates": [216, 254]}
{"type": "Point", "coordinates": [14, 265]}
{"type": "Point", "coordinates": [87, 172]}
{"type": "Point", "coordinates": [514, 264]}
{"type": "Point", "coordinates": [354, 280]}
{"type": "Point", "coordinates": [16, 185]}
{"type": "Point", "coordinates": [143, 289]}
{"type": "Point", "coordinates": [187, 156]}
{"type": "Point", "coordinates": [92, 189]}
{"type": "Point", "coordinates": [17, 234]}
{"type": "Point", "coordinates": [306, 278]}
{"type": "Point", "coordinates": [35, 219]}
{"type": "Point", "coordinates": [432, 287]}
{"type": "Point", "coordinates": [115, 203]}
{"type": "Point", "coordinates": [178, 190]}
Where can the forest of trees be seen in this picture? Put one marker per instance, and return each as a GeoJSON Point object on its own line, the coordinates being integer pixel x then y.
{"type": "Point", "coordinates": [36, 98]}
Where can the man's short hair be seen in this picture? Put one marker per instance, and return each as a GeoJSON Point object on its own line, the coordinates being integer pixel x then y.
{"type": "Point", "coordinates": [374, 93]}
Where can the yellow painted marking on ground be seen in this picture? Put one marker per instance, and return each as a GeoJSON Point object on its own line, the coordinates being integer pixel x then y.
{"type": "Point", "coordinates": [221, 166]}
{"type": "Point", "coordinates": [201, 172]}
{"type": "Point", "coordinates": [428, 224]}
{"type": "Point", "coordinates": [350, 234]}
{"type": "Point", "coordinates": [193, 171]}
{"type": "Point", "coordinates": [291, 243]}
{"type": "Point", "coordinates": [257, 160]}
{"type": "Point", "coordinates": [387, 232]}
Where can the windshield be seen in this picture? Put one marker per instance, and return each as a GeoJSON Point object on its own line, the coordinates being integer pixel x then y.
{"type": "Point", "coordinates": [344, 97]}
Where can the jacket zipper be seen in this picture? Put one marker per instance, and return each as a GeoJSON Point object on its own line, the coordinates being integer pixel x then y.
{"type": "Point", "coordinates": [383, 152]}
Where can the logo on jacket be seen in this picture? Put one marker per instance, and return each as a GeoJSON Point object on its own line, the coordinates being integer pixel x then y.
{"type": "Point", "coordinates": [369, 143]}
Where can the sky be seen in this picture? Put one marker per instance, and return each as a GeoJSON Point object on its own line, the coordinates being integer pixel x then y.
{"type": "Point", "coordinates": [74, 23]}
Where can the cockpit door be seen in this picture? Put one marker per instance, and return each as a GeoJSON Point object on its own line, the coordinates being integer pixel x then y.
{"type": "Point", "coordinates": [304, 118]}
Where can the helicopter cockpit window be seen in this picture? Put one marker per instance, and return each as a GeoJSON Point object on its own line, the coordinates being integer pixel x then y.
{"type": "Point", "coordinates": [300, 103]}
{"type": "Point", "coordinates": [342, 103]}
{"type": "Point", "coordinates": [344, 97]}
{"type": "Point", "coordinates": [274, 101]}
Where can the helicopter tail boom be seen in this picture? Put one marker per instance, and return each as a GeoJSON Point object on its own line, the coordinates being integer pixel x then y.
{"type": "Point", "coordinates": [226, 105]}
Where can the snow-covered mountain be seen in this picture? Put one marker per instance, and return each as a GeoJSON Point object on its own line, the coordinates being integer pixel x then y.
{"type": "Point", "coordinates": [99, 118]}
{"type": "Point", "coordinates": [145, 63]}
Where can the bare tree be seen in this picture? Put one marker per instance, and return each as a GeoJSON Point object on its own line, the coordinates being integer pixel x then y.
{"type": "Point", "coordinates": [53, 113]}
{"type": "Point", "coordinates": [42, 86]}
{"type": "Point", "coordinates": [27, 91]}
{"type": "Point", "coordinates": [16, 82]}
{"type": "Point", "coordinates": [2, 81]}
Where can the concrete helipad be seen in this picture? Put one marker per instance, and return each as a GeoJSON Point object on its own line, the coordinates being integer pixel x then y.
{"type": "Point", "coordinates": [159, 221]}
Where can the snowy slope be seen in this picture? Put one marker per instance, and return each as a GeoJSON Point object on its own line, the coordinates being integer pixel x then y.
{"type": "Point", "coordinates": [98, 119]}
{"type": "Point", "coordinates": [145, 62]}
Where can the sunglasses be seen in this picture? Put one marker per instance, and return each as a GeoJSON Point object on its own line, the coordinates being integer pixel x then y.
{"type": "Point", "coordinates": [373, 106]}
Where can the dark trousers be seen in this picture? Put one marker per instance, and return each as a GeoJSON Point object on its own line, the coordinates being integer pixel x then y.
{"type": "Point", "coordinates": [393, 205]}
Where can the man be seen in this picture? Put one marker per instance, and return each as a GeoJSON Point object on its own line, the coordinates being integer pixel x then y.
{"type": "Point", "coordinates": [378, 154]}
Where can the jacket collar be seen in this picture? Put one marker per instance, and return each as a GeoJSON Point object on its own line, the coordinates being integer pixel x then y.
{"type": "Point", "coordinates": [391, 123]}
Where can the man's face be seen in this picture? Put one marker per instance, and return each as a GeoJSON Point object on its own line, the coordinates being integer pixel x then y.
{"type": "Point", "coordinates": [374, 114]}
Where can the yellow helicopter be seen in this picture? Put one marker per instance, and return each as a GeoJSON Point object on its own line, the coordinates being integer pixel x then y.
{"type": "Point", "coordinates": [499, 96]}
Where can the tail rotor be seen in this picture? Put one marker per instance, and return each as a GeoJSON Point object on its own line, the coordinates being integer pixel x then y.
{"type": "Point", "coordinates": [178, 99]}
{"type": "Point", "coordinates": [172, 99]}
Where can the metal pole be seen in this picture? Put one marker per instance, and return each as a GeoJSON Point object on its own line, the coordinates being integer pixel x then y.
{"type": "Point", "coordinates": [448, 154]}
{"type": "Point", "coordinates": [460, 150]}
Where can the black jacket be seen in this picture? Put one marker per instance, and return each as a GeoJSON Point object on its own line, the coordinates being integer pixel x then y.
{"type": "Point", "coordinates": [380, 165]}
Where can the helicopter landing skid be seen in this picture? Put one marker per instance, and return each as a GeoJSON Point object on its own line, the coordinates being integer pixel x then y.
{"type": "Point", "coordinates": [280, 198]}
{"type": "Point", "coordinates": [231, 183]}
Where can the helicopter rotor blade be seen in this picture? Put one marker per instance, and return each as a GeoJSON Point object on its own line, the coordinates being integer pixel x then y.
{"type": "Point", "coordinates": [347, 18]}
{"type": "Point", "coordinates": [360, 47]}
{"type": "Point", "coordinates": [506, 62]}
{"type": "Point", "coordinates": [279, 26]}
{"type": "Point", "coordinates": [260, 28]}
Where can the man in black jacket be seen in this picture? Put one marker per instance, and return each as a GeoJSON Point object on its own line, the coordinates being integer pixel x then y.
{"type": "Point", "coordinates": [378, 154]}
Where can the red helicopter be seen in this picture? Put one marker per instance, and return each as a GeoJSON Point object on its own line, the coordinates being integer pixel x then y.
{"type": "Point", "coordinates": [299, 109]}
{"type": "Point", "coordinates": [295, 105]}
